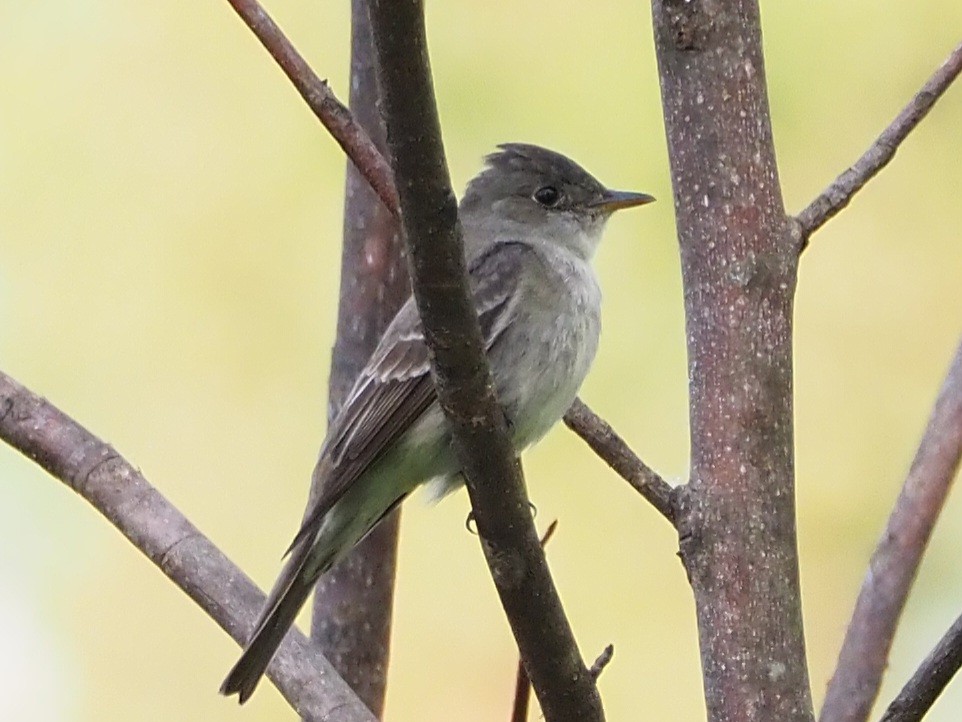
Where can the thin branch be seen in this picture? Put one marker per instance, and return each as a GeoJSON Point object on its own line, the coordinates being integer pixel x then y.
{"type": "Point", "coordinates": [840, 192]}
{"type": "Point", "coordinates": [152, 524]}
{"type": "Point", "coordinates": [522, 695]}
{"type": "Point", "coordinates": [930, 679]}
{"type": "Point", "coordinates": [548, 533]}
{"type": "Point", "coordinates": [601, 662]}
{"type": "Point", "coordinates": [862, 660]}
{"type": "Point", "coordinates": [328, 109]}
{"type": "Point", "coordinates": [522, 684]}
{"type": "Point", "coordinates": [606, 443]}
{"type": "Point", "coordinates": [461, 373]}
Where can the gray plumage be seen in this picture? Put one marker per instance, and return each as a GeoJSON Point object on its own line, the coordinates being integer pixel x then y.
{"type": "Point", "coordinates": [532, 220]}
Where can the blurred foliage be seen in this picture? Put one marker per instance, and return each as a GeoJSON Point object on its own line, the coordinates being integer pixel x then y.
{"type": "Point", "coordinates": [169, 227]}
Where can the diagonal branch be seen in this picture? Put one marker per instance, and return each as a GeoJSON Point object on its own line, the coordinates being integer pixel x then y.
{"type": "Point", "coordinates": [117, 490]}
{"type": "Point", "coordinates": [896, 559]}
{"type": "Point", "coordinates": [840, 192]}
{"type": "Point", "coordinates": [930, 679]}
{"type": "Point", "coordinates": [522, 685]}
{"type": "Point", "coordinates": [329, 110]}
{"type": "Point", "coordinates": [461, 373]}
{"type": "Point", "coordinates": [606, 443]}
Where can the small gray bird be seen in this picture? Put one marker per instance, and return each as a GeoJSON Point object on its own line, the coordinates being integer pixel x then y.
{"type": "Point", "coordinates": [532, 220]}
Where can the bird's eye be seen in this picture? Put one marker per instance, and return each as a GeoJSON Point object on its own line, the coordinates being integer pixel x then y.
{"type": "Point", "coordinates": [548, 196]}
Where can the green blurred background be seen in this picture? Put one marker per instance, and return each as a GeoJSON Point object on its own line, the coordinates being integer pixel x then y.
{"type": "Point", "coordinates": [169, 229]}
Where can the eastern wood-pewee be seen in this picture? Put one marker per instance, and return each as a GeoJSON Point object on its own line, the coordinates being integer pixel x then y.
{"type": "Point", "coordinates": [532, 220]}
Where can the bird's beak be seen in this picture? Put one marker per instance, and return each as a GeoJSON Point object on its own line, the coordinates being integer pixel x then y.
{"type": "Point", "coordinates": [616, 200]}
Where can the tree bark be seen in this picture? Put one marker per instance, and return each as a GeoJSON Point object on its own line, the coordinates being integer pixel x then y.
{"type": "Point", "coordinates": [736, 516]}
{"type": "Point", "coordinates": [353, 601]}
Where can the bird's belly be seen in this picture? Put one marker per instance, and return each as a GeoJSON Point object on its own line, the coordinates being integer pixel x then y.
{"type": "Point", "coordinates": [532, 407]}
{"type": "Point", "coordinates": [548, 371]}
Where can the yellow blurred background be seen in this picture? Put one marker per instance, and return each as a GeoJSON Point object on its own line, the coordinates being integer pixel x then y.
{"type": "Point", "coordinates": [170, 215]}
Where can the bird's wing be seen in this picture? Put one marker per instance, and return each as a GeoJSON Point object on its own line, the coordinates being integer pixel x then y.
{"type": "Point", "coordinates": [395, 387]}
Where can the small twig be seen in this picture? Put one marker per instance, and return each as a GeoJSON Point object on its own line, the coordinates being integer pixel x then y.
{"type": "Point", "coordinates": [329, 110]}
{"type": "Point", "coordinates": [603, 440]}
{"type": "Point", "coordinates": [930, 679]}
{"type": "Point", "coordinates": [840, 192]}
{"type": "Point", "coordinates": [522, 684]}
{"type": "Point", "coordinates": [548, 533]}
{"type": "Point", "coordinates": [522, 695]}
{"type": "Point", "coordinates": [117, 490]}
{"type": "Point", "coordinates": [603, 659]}
{"type": "Point", "coordinates": [862, 660]}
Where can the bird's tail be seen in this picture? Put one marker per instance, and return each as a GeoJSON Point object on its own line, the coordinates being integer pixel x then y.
{"type": "Point", "coordinates": [320, 543]}
{"type": "Point", "coordinates": [290, 591]}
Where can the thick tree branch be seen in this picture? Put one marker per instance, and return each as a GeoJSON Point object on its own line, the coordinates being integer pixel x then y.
{"type": "Point", "coordinates": [328, 109]}
{"type": "Point", "coordinates": [462, 377]}
{"type": "Point", "coordinates": [613, 450]}
{"type": "Point", "coordinates": [930, 679]}
{"type": "Point", "coordinates": [353, 601]}
{"type": "Point", "coordinates": [862, 660]}
{"type": "Point", "coordinates": [736, 516]}
{"type": "Point", "coordinates": [840, 192]}
{"type": "Point", "coordinates": [117, 490]}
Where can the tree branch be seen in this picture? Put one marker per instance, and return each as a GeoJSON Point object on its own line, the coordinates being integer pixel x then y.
{"type": "Point", "coordinates": [613, 450]}
{"type": "Point", "coordinates": [117, 490]}
{"type": "Point", "coordinates": [522, 685]}
{"type": "Point", "coordinates": [736, 516]}
{"type": "Point", "coordinates": [462, 377]}
{"type": "Point", "coordinates": [328, 109]}
{"type": "Point", "coordinates": [840, 192]}
{"type": "Point", "coordinates": [892, 569]}
{"type": "Point", "coordinates": [522, 695]}
{"type": "Point", "coordinates": [930, 679]}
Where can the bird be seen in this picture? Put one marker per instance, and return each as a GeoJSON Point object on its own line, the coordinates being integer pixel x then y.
{"type": "Point", "coordinates": [532, 220]}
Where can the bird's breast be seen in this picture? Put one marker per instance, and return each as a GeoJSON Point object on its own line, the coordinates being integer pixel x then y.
{"type": "Point", "coordinates": [552, 345]}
